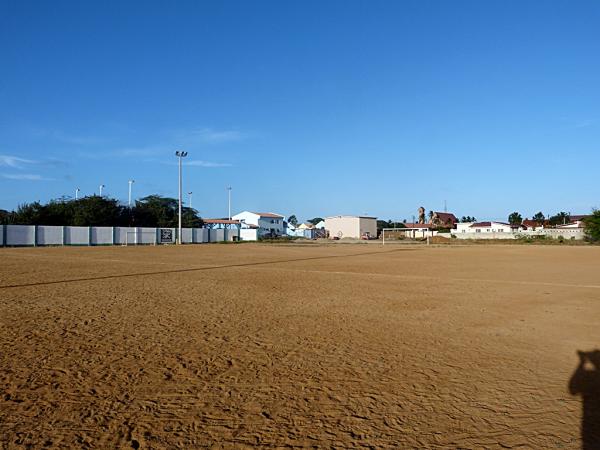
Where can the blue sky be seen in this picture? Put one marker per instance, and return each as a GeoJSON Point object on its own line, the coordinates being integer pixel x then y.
{"type": "Point", "coordinates": [311, 108]}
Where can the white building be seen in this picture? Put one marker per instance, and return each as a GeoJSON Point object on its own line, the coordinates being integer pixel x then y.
{"type": "Point", "coordinates": [351, 226]}
{"type": "Point", "coordinates": [485, 227]}
{"type": "Point", "coordinates": [268, 223]}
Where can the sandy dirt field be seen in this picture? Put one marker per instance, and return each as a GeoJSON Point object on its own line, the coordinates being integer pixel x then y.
{"type": "Point", "coordinates": [346, 346]}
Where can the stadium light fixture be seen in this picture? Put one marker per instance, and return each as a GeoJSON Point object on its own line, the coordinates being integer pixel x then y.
{"type": "Point", "coordinates": [180, 155]}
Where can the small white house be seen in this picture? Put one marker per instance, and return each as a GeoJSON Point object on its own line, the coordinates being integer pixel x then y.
{"type": "Point", "coordinates": [351, 226]}
{"type": "Point", "coordinates": [268, 223]}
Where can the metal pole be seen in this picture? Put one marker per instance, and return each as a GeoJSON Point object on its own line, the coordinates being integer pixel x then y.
{"type": "Point", "coordinates": [77, 193]}
{"type": "Point", "coordinates": [229, 202]}
{"type": "Point", "coordinates": [180, 185]}
{"type": "Point", "coordinates": [180, 155]}
{"type": "Point", "coordinates": [130, 183]}
{"type": "Point", "coordinates": [101, 187]}
{"type": "Point", "coordinates": [190, 194]}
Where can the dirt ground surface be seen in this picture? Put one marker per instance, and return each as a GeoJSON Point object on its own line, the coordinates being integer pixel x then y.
{"type": "Point", "coordinates": [345, 346]}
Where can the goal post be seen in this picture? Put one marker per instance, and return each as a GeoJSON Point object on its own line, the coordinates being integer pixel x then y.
{"type": "Point", "coordinates": [391, 232]}
{"type": "Point", "coordinates": [138, 237]}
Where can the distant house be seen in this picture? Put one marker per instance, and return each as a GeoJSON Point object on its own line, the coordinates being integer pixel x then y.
{"type": "Point", "coordinates": [351, 226]}
{"type": "Point", "coordinates": [306, 226]}
{"type": "Point", "coordinates": [320, 225]}
{"type": "Point", "coordinates": [532, 225]}
{"type": "Point", "coordinates": [443, 219]}
{"type": "Point", "coordinates": [492, 227]}
{"type": "Point", "coordinates": [268, 223]}
{"type": "Point", "coordinates": [417, 230]}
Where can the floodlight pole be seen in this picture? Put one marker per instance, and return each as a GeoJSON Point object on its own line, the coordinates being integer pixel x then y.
{"type": "Point", "coordinates": [180, 155]}
{"type": "Point", "coordinates": [101, 187]}
{"type": "Point", "coordinates": [229, 201]}
{"type": "Point", "coordinates": [130, 183]}
{"type": "Point", "coordinates": [77, 193]}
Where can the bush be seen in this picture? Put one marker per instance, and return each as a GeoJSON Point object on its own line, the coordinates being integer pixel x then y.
{"type": "Point", "coordinates": [592, 226]}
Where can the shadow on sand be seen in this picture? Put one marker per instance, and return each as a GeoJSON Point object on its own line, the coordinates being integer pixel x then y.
{"type": "Point", "coordinates": [586, 382]}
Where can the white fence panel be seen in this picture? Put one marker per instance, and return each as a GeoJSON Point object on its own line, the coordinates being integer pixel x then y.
{"type": "Point", "coordinates": [77, 235]}
{"type": "Point", "coordinates": [249, 234]}
{"type": "Point", "coordinates": [146, 236]}
{"type": "Point", "coordinates": [217, 235]}
{"type": "Point", "coordinates": [49, 235]}
{"type": "Point", "coordinates": [200, 235]}
{"type": "Point", "coordinates": [186, 235]}
{"type": "Point", "coordinates": [121, 234]}
{"type": "Point", "coordinates": [20, 235]}
{"type": "Point", "coordinates": [102, 235]}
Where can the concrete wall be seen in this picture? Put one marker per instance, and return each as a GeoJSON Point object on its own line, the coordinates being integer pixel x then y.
{"type": "Point", "coordinates": [102, 235]}
{"type": "Point", "coordinates": [49, 235]}
{"type": "Point", "coordinates": [249, 234]}
{"type": "Point", "coordinates": [31, 235]}
{"type": "Point", "coordinates": [550, 233]}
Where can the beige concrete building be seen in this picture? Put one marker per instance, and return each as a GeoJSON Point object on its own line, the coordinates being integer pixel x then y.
{"type": "Point", "coordinates": [351, 226]}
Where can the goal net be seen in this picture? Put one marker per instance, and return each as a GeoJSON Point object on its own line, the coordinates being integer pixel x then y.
{"type": "Point", "coordinates": [133, 237]}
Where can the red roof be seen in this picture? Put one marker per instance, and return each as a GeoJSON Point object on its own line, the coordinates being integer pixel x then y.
{"type": "Point", "coordinates": [481, 224]}
{"type": "Point", "coordinates": [417, 225]}
{"type": "Point", "coordinates": [266, 214]}
{"type": "Point", "coordinates": [446, 217]}
{"type": "Point", "coordinates": [530, 223]}
{"type": "Point", "coordinates": [221, 221]}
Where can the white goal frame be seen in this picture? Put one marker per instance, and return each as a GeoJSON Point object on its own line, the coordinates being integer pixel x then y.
{"type": "Point", "coordinates": [428, 236]}
{"type": "Point", "coordinates": [134, 237]}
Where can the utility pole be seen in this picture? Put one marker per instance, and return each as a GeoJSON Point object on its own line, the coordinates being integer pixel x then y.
{"type": "Point", "coordinates": [180, 155]}
{"type": "Point", "coordinates": [130, 183]}
{"type": "Point", "coordinates": [229, 201]}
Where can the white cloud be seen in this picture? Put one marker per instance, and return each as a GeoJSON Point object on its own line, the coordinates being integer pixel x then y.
{"type": "Point", "coordinates": [209, 136]}
{"type": "Point", "coordinates": [199, 163]}
{"type": "Point", "coordinates": [25, 177]}
{"type": "Point", "coordinates": [15, 161]}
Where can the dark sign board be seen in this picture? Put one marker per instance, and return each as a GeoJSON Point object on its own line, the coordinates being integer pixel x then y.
{"type": "Point", "coordinates": [166, 236]}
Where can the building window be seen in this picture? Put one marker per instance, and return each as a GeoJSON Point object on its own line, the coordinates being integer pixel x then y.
{"type": "Point", "coordinates": [478, 230]}
{"type": "Point", "coordinates": [500, 231]}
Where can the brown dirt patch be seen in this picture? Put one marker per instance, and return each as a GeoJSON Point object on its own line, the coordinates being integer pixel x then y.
{"type": "Point", "coordinates": [257, 345]}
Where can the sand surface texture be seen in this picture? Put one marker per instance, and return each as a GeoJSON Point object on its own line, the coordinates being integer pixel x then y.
{"type": "Point", "coordinates": [347, 346]}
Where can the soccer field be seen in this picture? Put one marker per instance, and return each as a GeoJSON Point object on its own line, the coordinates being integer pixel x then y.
{"type": "Point", "coordinates": [250, 345]}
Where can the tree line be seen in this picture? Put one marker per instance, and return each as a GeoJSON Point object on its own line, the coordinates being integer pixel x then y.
{"type": "Point", "coordinates": [94, 210]}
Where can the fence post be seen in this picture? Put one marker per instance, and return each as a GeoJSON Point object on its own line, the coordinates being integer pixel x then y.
{"type": "Point", "coordinates": [89, 235]}
{"type": "Point", "coordinates": [63, 239]}
{"type": "Point", "coordinates": [35, 230]}
{"type": "Point", "coordinates": [112, 233]}
{"type": "Point", "coordinates": [4, 235]}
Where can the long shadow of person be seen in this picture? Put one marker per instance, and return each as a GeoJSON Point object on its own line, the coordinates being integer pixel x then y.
{"type": "Point", "coordinates": [586, 382]}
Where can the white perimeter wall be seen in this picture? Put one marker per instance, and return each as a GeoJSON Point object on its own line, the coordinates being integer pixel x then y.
{"type": "Point", "coordinates": [30, 235]}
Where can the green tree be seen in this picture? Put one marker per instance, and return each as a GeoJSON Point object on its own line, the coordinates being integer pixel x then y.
{"type": "Point", "coordinates": [539, 217]}
{"type": "Point", "coordinates": [293, 220]}
{"type": "Point", "coordinates": [592, 226]}
{"type": "Point", "coordinates": [157, 211]}
{"type": "Point", "coordinates": [315, 220]}
{"type": "Point", "coordinates": [515, 218]}
{"type": "Point", "coordinates": [560, 219]}
{"type": "Point", "coordinates": [97, 211]}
